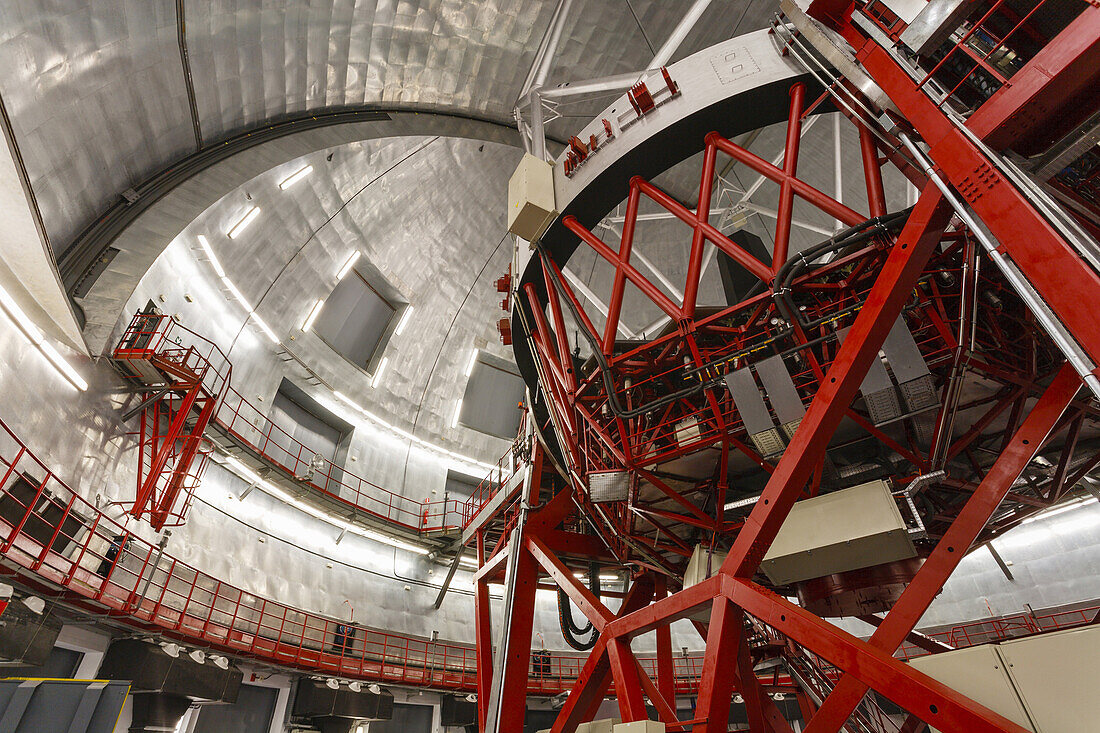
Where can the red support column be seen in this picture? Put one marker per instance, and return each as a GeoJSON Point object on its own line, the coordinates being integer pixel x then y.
{"type": "Point", "coordinates": [872, 172]}
{"type": "Point", "coordinates": [628, 685]}
{"type": "Point", "coordinates": [517, 663]}
{"type": "Point", "coordinates": [588, 691]}
{"type": "Point", "coordinates": [914, 601]}
{"type": "Point", "coordinates": [666, 674]}
{"type": "Point", "coordinates": [484, 638]}
{"type": "Point", "coordinates": [716, 683]}
{"type": "Point", "coordinates": [893, 287]}
{"type": "Point", "coordinates": [790, 169]}
{"type": "Point", "coordinates": [698, 237]}
{"type": "Point", "coordinates": [615, 303]}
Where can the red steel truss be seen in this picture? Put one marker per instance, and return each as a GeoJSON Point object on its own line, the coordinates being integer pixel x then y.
{"type": "Point", "coordinates": [1027, 330]}
{"type": "Point", "coordinates": [180, 377]}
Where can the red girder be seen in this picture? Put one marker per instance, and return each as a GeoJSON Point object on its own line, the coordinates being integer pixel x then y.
{"type": "Point", "coordinates": [647, 403]}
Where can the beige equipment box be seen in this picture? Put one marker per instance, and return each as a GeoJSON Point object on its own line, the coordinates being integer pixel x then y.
{"type": "Point", "coordinates": [531, 206]}
{"type": "Point", "coordinates": [844, 530]}
{"type": "Point", "coordinates": [1045, 683]}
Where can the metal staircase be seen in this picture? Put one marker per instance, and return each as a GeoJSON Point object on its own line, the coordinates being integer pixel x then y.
{"type": "Point", "coordinates": [180, 377]}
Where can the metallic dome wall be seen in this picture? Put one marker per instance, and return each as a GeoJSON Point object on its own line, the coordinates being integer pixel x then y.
{"type": "Point", "coordinates": [427, 213]}
{"type": "Point", "coordinates": [101, 95]}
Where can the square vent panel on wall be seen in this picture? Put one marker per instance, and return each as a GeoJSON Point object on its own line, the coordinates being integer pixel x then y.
{"type": "Point", "coordinates": [360, 315]}
{"type": "Point", "coordinates": [490, 403]}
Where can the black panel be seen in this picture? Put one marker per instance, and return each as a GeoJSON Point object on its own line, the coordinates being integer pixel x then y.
{"type": "Point", "coordinates": [27, 638]}
{"type": "Point", "coordinates": [736, 280]}
{"type": "Point", "coordinates": [336, 725]}
{"type": "Point", "coordinates": [490, 402]}
{"type": "Point", "coordinates": [157, 711]}
{"type": "Point", "coordinates": [251, 713]}
{"type": "Point", "coordinates": [457, 711]}
{"type": "Point", "coordinates": [43, 521]}
{"type": "Point", "coordinates": [406, 719]}
{"type": "Point", "coordinates": [60, 664]}
{"type": "Point", "coordinates": [149, 668]}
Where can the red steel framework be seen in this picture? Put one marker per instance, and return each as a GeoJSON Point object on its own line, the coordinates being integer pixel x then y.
{"type": "Point", "coordinates": [56, 543]}
{"type": "Point", "coordinates": [635, 406]}
{"type": "Point", "coordinates": [180, 377]}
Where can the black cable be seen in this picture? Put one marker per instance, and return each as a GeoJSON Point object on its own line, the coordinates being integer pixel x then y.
{"type": "Point", "coordinates": [786, 274]}
{"type": "Point", "coordinates": [569, 629]}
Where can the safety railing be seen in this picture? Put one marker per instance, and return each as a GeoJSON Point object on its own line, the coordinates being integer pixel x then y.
{"type": "Point", "coordinates": [176, 349]}
{"type": "Point", "coordinates": [51, 537]}
{"type": "Point", "coordinates": [984, 631]}
{"type": "Point", "coordinates": [489, 486]}
{"type": "Point", "coordinates": [277, 446]}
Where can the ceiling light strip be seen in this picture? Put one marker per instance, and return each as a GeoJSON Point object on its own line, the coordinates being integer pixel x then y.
{"type": "Point", "coordinates": [378, 373]}
{"type": "Point", "coordinates": [205, 244]}
{"type": "Point", "coordinates": [295, 177]}
{"type": "Point", "coordinates": [404, 320]}
{"type": "Point", "coordinates": [249, 217]}
{"type": "Point", "coordinates": [313, 313]}
{"type": "Point", "coordinates": [34, 335]}
{"type": "Point", "coordinates": [348, 264]}
{"type": "Point", "coordinates": [410, 437]}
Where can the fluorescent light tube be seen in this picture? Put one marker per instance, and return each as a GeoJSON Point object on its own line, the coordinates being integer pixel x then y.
{"type": "Point", "coordinates": [240, 226]}
{"type": "Point", "coordinates": [350, 263]}
{"type": "Point", "coordinates": [378, 374]}
{"type": "Point", "coordinates": [264, 327]}
{"type": "Point", "coordinates": [34, 335]}
{"type": "Point", "coordinates": [470, 365]}
{"type": "Point", "coordinates": [205, 244]}
{"type": "Point", "coordinates": [458, 409]}
{"type": "Point", "coordinates": [295, 177]}
{"type": "Point", "coordinates": [236, 293]}
{"type": "Point", "coordinates": [741, 502]}
{"type": "Point", "coordinates": [62, 366]}
{"type": "Point", "coordinates": [313, 313]}
{"type": "Point", "coordinates": [404, 319]}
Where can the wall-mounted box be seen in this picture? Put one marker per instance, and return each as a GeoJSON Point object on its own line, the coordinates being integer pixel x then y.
{"type": "Point", "coordinates": [844, 530]}
{"type": "Point", "coordinates": [531, 206]}
{"type": "Point", "coordinates": [1045, 683]}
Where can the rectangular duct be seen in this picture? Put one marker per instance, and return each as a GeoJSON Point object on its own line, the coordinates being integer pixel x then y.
{"type": "Point", "coordinates": [782, 393]}
{"type": "Point", "coordinates": [910, 371]}
{"type": "Point", "coordinates": [149, 668]}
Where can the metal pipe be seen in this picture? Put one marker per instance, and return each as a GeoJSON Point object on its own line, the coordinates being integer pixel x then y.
{"type": "Point", "coordinates": [1074, 354]}
{"type": "Point", "coordinates": [679, 33]}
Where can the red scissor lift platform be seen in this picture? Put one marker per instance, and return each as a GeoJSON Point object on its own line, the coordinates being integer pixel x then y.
{"type": "Point", "coordinates": [180, 377]}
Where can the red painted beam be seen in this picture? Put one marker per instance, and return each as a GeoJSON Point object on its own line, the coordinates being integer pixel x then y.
{"type": "Point", "coordinates": [921, 234]}
{"type": "Point", "coordinates": [932, 701]}
{"type": "Point", "coordinates": [951, 548]}
{"type": "Point", "coordinates": [1064, 73]}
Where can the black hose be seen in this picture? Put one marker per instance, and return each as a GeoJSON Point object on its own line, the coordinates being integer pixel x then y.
{"type": "Point", "coordinates": [569, 629]}
{"type": "Point", "coordinates": [841, 240]}
{"type": "Point", "coordinates": [780, 285]}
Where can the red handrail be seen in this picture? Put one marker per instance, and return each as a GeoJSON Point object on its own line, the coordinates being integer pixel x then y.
{"type": "Point", "coordinates": [60, 541]}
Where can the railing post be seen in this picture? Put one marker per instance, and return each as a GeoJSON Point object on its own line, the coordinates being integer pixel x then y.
{"type": "Point", "coordinates": [26, 515]}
